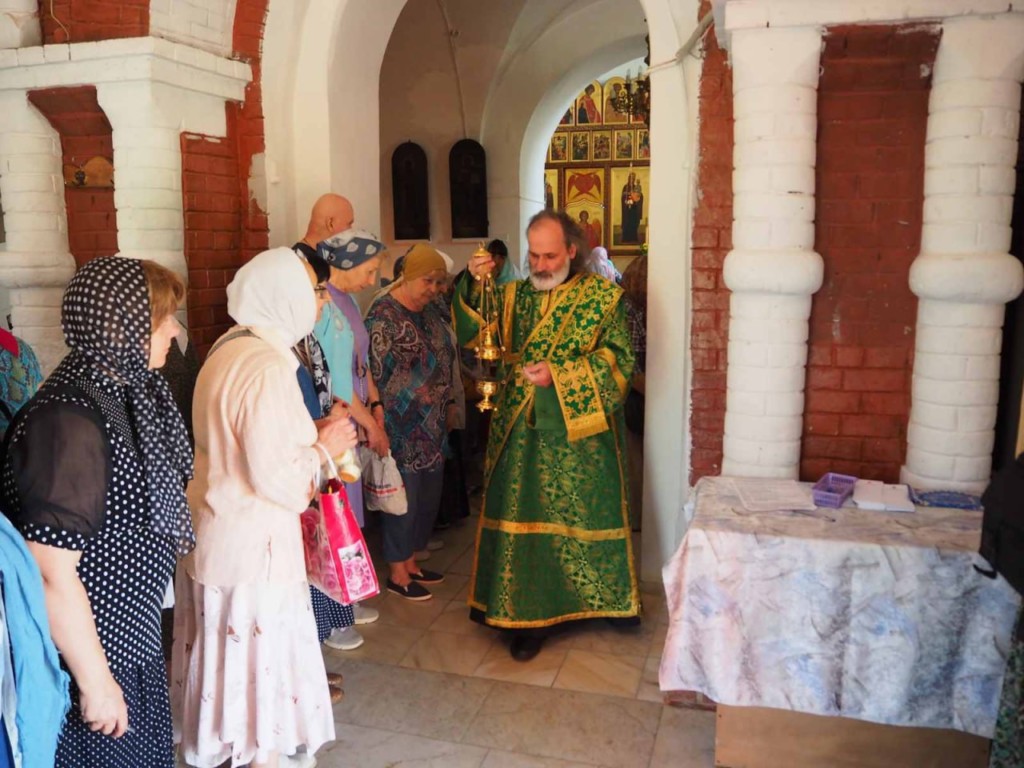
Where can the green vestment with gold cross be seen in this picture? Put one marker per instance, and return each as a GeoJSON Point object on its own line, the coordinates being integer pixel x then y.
{"type": "Point", "coordinates": [553, 544]}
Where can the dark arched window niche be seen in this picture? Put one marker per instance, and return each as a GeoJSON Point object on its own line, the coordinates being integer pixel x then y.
{"type": "Point", "coordinates": [409, 192]}
{"type": "Point", "coordinates": [467, 178]}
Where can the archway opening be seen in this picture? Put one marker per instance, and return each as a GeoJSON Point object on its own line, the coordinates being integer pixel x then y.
{"type": "Point", "coordinates": [597, 167]}
{"type": "Point", "coordinates": [503, 76]}
{"type": "Point", "coordinates": [517, 191]}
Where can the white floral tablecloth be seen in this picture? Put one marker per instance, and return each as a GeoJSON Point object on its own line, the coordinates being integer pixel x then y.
{"type": "Point", "coordinates": [878, 616]}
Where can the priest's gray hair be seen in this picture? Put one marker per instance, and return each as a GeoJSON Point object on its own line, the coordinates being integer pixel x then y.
{"type": "Point", "coordinates": [573, 236]}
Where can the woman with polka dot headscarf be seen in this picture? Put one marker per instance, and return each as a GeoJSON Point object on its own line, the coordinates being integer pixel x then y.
{"type": "Point", "coordinates": [94, 480]}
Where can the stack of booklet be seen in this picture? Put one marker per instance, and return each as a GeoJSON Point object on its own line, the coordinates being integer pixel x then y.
{"type": "Point", "coordinates": [874, 494]}
{"type": "Point", "coordinates": [765, 495]}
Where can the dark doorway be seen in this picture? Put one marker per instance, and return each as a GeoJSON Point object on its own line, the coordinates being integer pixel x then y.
{"type": "Point", "coordinates": [1011, 380]}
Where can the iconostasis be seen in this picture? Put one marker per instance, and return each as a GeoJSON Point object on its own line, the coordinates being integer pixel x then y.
{"type": "Point", "coordinates": [598, 170]}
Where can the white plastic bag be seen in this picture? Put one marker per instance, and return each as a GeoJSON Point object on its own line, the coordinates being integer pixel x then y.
{"type": "Point", "coordinates": [383, 488]}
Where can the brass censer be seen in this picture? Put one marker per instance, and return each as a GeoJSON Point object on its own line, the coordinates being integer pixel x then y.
{"type": "Point", "coordinates": [489, 350]}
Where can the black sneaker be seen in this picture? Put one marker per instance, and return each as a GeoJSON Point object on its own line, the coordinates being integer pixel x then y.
{"type": "Point", "coordinates": [427, 577]}
{"type": "Point", "coordinates": [411, 591]}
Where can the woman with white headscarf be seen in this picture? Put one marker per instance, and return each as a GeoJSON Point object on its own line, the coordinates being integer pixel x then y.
{"type": "Point", "coordinates": [249, 681]}
{"type": "Point", "coordinates": [601, 264]}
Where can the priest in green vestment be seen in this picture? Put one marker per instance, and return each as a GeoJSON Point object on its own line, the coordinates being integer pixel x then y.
{"type": "Point", "coordinates": [553, 543]}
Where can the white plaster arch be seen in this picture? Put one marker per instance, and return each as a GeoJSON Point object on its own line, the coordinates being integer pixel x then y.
{"type": "Point", "coordinates": [673, 124]}
{"type": "Point", "coordinates": [319, 52]}
{"type": "Point", "coordinates": [529, 94]}
{"type": "Point", "coordinates": [321, 67]}
{"type": "Point", "coordinates": [544, 120]}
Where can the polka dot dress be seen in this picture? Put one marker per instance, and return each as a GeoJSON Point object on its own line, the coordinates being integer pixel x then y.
{"type": "Point", "coordinates": [329, 614]}
{"type": "Point", "coordinates": [145, 692]}
{"type": "Point", "coordinates": [125, 568]}
{"type": "Point", "coordinates": [130, 534]}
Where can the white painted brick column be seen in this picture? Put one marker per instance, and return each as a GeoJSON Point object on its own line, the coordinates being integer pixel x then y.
{"type": "Point", "coordinates": [151, 90]}
{"type": "Point", "coordinates": [772, 270]}
{"type": "Point", "coordinates": [147, 123]}
{"type": "Point", "coordinates": [19, 23]}
{"type": "Point", "coordinates": [964, 274]}
{"type": "Point", "coordinates": [35, 264]}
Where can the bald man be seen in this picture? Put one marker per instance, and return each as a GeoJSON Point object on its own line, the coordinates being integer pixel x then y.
{"type": "Point", "coordinates": [331, 214]}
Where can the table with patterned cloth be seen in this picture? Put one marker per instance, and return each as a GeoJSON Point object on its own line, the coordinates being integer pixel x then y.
{"type": "Point", "coordinates": [877, 616]}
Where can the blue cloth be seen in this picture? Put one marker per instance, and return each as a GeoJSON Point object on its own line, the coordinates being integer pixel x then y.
{"type": "Point", "coordinates": [8, 691]}
{"type": "Point", "coordinates": [309, 394]}
{"type": "Point", "coordinates": [5, 747]}
{"type": "Point", "coordinates": [337, 339]}
{"type": "Point", "coordinates": [346, 346]}
{"type": "Point", "coordinates": [507, 274]}
{"type": "Point", "coordinates": [43, 699]}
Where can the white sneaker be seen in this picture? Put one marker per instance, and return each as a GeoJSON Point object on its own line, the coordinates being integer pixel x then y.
{"type": "Point", "coordinates": [300, 760]}
{"type": "Point", "coordinates": [346, 639]}
{"type": "Point", "coordinates": [435, 544]}
{"type": "Point", "coordinates": [364, 614]}
{"type": "Point", "coordinates": [421, 554]}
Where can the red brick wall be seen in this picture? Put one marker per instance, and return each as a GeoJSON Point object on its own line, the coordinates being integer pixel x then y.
{"type": "Point", "coordinates": [224, 228]}
{"type": "Point", "coordinates": [89, 20]}
{"type": "Point", "coordinates": [872, 112]}
{"type": "Point", "coordinates": [712, 240]}
{"type": "Point", "coordinates": [84, 133]}
{"type": "Point", "coordinates": [250, 18]}
{"type": "Point", "coordinates": [213, 233]}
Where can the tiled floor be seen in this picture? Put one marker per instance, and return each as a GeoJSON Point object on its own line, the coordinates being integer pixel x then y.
{"type": "Point", "coordinates": [431, 688]}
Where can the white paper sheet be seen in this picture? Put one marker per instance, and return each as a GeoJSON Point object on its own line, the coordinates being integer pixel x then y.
{"type": "Point", "coordinates": [758, 494]}
{"type": "Point", "coordinates": [874, 494]}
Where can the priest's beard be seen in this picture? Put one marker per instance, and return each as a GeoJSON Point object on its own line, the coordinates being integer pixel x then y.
{"type": "Point", "coordinates": [546, 281]}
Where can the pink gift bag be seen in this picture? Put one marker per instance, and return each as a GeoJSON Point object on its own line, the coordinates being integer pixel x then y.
{"type": "Point", "coordinates": [337, 560]}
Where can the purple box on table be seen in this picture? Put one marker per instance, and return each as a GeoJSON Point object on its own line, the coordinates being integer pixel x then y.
{"type": "Point", "coordinates": [833, 489]}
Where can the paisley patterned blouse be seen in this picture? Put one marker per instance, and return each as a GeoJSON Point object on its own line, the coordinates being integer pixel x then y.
{"type": "Point", "coordinates": [411, 356]}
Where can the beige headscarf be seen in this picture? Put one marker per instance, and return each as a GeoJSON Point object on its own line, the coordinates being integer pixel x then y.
{"type": "Point", "coordinates": [422, 260]}
{"type": "Point", "coordinates": [428, 260]}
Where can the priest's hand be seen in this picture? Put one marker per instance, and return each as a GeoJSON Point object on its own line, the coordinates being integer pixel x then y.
{"type": "Point", "coordinates": [480, 265]}
{"type": "Point", "coordinates": [538, 374]}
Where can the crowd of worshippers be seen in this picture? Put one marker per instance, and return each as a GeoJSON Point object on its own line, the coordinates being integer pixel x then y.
{"type": "Point", "coordinates": [132, 480]}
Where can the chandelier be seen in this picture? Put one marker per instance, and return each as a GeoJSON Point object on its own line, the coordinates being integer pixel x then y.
{"type": "Point", "coordinates": [634, 98]}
